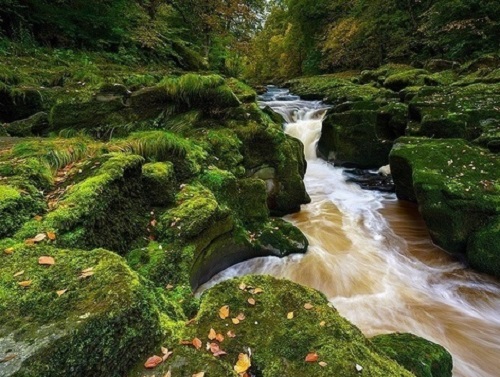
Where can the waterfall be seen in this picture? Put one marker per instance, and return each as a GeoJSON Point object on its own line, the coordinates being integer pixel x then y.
{"type": "Point", "coordinates": [372, 257]}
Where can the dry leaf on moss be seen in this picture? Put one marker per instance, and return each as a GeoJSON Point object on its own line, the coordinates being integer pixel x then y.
{"type": "Point", "coordinates": [312, 357]}
{"type": "Point", "coordinates": [224, 312]}
{"type": "Point", "coordinates": [242, 364]}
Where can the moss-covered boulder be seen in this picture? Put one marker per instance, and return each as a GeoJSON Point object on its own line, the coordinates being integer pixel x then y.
{"type": "Point", "coordinates": [420, 356]}
{"type": "Point", "coordinates": [456, 187]}
{"type": "Point", "coordinates": [36, 124]}
{"type": "Point", "coordinates": [160, 182]}
{"type": "Point", "coordinates": [277, 330]}
{"type": "Point", "coordinates": [16, 207]}
{"type": "Point", "coordinates": [81, 313]}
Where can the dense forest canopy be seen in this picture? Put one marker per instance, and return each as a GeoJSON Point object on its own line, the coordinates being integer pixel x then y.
{"type": "Point", "coordinates": [264, 40]}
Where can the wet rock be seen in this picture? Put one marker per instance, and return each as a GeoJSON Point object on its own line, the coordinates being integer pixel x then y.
{"type": "Point", "coordinates": [36, 124]}
{"type": "Point", "coordinates": [438, 65]}
{"type": "Point", "coordinates": [369, 180]}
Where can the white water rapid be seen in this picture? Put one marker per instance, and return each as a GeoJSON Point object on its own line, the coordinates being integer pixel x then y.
{"type": "Point", "coordinates": [372, 257]}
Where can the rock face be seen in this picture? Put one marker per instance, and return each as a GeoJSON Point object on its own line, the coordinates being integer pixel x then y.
{"type": "Point", "coordinates": [420, 356]}
{"type": "Point", "coordinates": [287, 323]}
{"type": "Point", "coordinates": [456, 187]}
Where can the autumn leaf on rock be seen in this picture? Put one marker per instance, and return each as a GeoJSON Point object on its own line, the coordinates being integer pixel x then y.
{"type": "Point", "coordinates": [25, 283]}
{"type": "Point", "coordinates": [219, 338]}
{"type": "Point", "coordinates": [308, 306]}
{"type": "Point", "coordinates": [322, 323]}
{"type": "Point", "coordinates": [61, 292]}
{"type": "Point", "coordinates": [39, 237]}
{"type": "Point", "coordinates": [166, 353]}
{"type": "Point", "coordinates": [38, 218]}
{"type": "Point", "coordinates": [236, 321]}
{"type": "Point", "coordinates": [224, 312]}
{"type": "Point", "coordinates": [46, 261]}
{"type": "Point", "coordinates": [231, 334]}
{"type": "Point", "coordinates": [251, 301]}
{"type": "Point", "coordinates": [212, 334]}
{"type": "Point", "coordinates": [243, 286]}
{"type": "Point", "coordinates": [216, 351]}
{"type": "Point", "coordinates": [169, 286]}
{"type": "Point", "coordinates": [242, 364]}
{"type": "Point", "coordinates": [322, 364]}
{"type": "Point", "coordinates": [312, 357]}
{"type": "Point", "coordinates": [51, 235]}
{"type": "Point", "coordinates": [9, 251]}
{"type": "Point", "coordinates": [199, 374]}
{"type": "Point", "coordinates": [289, 315]}
{"type": "Point", "coordinates": [197, 343]}
{"type": "Point", "coordinates": [86, 273]}
{"type": "Point", "coordinates": [19, 273]}
{"type": "Point", "coordinates": [241, 316]}
{"type": "Point", "coordinates": [257, 291]}
{"type": "Point", "coordinates": [153, 362]}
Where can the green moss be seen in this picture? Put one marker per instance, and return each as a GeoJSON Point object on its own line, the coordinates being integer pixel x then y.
{"type": "Point", "coordinates": [280, 345]}
{"type": "Point", "coordinates": [244, 92]}
{"type": "Point", "coordinates": [401, 80]}
{"type": "Point", "coordinates": [16, 207]}
{"type": "Point", "coordinates": [447, 177]}
{"type": "Point", "coordinates": [110, 313]}
{"type": "Point", "coordinates": [159, 182]}
{"type": "Point", "coordinates": [418, 355]}
{"type": "Point", "coordinates": [483, 248]}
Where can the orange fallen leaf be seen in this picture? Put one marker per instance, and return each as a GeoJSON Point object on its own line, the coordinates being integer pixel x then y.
{"type": "Point", "coordinates": [224, 312]}
{"type": "Point", "coordinates": [9, 251]}
{"type": "Point", "coordinates": [61, 292]}
{"type": "Point", "coordinates": [251, 301]}
{"type": "Point", "coordinates": [231, 334]}
{"type": "Point", "coordinates": [51, 235]}
{"type": "Point", "coordinates": [216, 351]}
{"type": "Point", "coordinates": [86, 273]}
{"type": "Point", "coordinates": [199, 374]}
{"type": "Point", "coordinates": [242, 364]}
{"type": "Point", "coordinates": [25, 283]}
{"type": "Point", "coordinates": [39, 237]}
{"type": "Point", "coordinates": [38, 218]}
{"type": "Point", "coordinates": [289, 315]}
{"type": "Point", "coordinates": [235, 321]}
{"type": "Point", "coordinates": [219, 338]}
{"type": "Point", "coordinates": [212, 334]}
{"type": "Point", "coordinates": [241, 317]}
{"type": "Point", "coordinates": [46, 261]}
{"type": "Point", "coordinates": [153, 362]}
{"type": "Point", "coordinates": [168, 374]}
{"type": "Point", "coordinates": [322, 364]}
{"type": "Point", "coordinates": [29, 241]}
{"type": "Point", "coordinates": [257, 291]}
{"type": "Point", "coordinates": [243, 286]}
{"type": "Point", "coordinates": [312, 357]}
{"type": "Point", "coordinates": [19, 273]}
{"type": "Point", "coordinates": [308, 306]}
{"type": "Point", "coordinates": [196, 343]}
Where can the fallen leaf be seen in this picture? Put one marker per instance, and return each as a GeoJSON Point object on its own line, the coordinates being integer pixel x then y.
{"type": "Point", "coordinates": [191, 321]}
{"type": "Point", "coordinates": [87, 270]}
{"type": "Point", "coordinates": [61, 292]}
{"type": "Point", "coordinates": [39, 237]}
{"type": "Point", "coordinates": [212, 334]}
{"type": "Point", "coordinates": [51, 235]}
{"type": "Point", "coordinates": [359, 368]}
{"type": "Point", "coordinates": [308, 306]}
{"type": "Point", "coordinates": [241, 317]}
{"type": "Point", "coordinates": [289, 315]}
{"type": "Point", "coordinates": [46, 261]}
{"type": "Point", "coordinates": [251, 301]}
{"type": "Point", "coordinates": [224, 312]}
{"type": "Point", "coordinates": [38, 218]}
{"type": "Point", "coordinates": [235, 321]}
{"type": "Point", "coordinates": [322, 364]}
{"type": "Point", "coordinates": [9, 251]}
{"type": "Point", "coordinates": [25, 283]}
{"type": "Point", "coordinates": [215, 349]}
{"type": "Point", "coordinates": [169, 286]}
{"type": "Point", "coordinates": [168, 374]}
{"type": "Point", "coordinates": [312, 357]}
{"type": "Point", "coordinates": [19, 273]}
{"type": "Point", "coordinates": [242, 364]}
{"type": "Point", "coordinates": [257, 291]}
{"type": "Point", "coordinates": [86, 273]}
{"type": "Point", "coordinates": [197, 343]}
{"type": "Point", "coordinates": [8, 358]}
{"type": "Point", "coordinates": [231, 334]}
{"type": "Point", "coordinates": [322, 323]}
{"type": "Point", "coordinates": [153, 362]}
{"type": "Point", "coordinates": [243, 286]}
{"type": "Point", "coordinates": [219, 338]}
{"type": "Point", "coordinates": [199, 374]}
{"type": "Point", "coordinates": [29, 241]}
{"type": "Point", "coordinates": [166, 353]}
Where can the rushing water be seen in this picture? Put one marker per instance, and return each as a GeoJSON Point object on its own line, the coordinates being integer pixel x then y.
{"type": "Point", "coordinates": [372, 257]}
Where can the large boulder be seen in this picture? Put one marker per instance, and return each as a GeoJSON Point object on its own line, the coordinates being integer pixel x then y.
{"type": "Point", "coordinates": [456, 187]}
{"type": "Point", "coordinates": [81, 313]}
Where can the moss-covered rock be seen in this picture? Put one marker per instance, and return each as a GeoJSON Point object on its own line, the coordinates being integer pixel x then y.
{"type": "Point", "coordinates": [483, 248]}
{"type": "Point", "coordinates": [449, 178]}
{"type": "Point", "coordinates": [36, 124]}
{"type": "Point", "coordinates": [16, 207]}
{"type": "Point", "coordinates": [420, 356]}
{"type": "Point", "coordinates": [401, 80]}
{"type": "Point", "coordinates": [159, 182]}
{"type": "Point", "coordinates": [87, 314]}
{"type": "Point", "coordinates": [278, 343]}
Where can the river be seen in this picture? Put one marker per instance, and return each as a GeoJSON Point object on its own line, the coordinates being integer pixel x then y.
{"type": "Point", "coordinates": [371, 255]}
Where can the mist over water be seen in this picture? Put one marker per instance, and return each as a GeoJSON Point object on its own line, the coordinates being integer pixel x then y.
{"type": "Point", "coordinates": [372, 257]}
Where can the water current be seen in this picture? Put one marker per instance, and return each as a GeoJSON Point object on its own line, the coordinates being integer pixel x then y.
{"type": "Point", "coordinates": [371, 255]}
